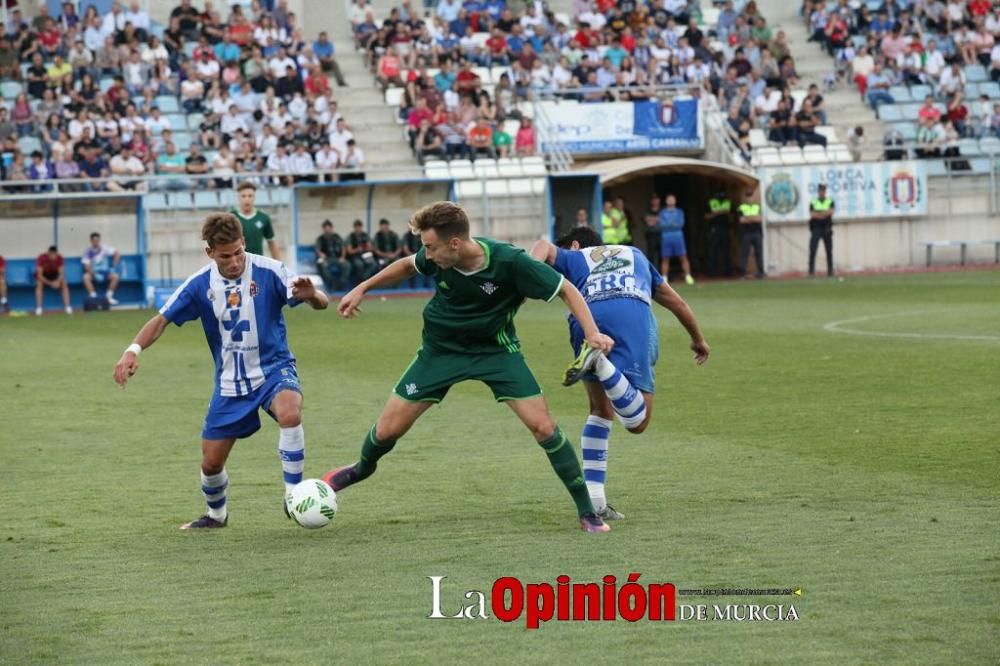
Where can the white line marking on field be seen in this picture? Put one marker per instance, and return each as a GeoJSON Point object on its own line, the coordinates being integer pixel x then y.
{"type": "Point", "coordinates": [838, 327]}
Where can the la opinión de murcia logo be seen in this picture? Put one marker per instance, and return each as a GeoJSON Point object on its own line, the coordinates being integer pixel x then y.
{"type": "Point", "coordinates": [509, 600]}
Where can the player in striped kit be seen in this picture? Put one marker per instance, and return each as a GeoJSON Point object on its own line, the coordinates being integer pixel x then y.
{"type": "Point", "coordinates": [619, 284]}
{"type": "Point", "coordinates": [238, 297]}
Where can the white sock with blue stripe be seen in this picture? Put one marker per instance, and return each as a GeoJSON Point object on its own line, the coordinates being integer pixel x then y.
{"type": "Point", "coordinates": [292, 451]}
{"type": "Point", "coordinates": [629, 404]}
{"type": "Point", "coordinates": [213, 488]}
{"type": "Point", "coordinates": [594, 444]}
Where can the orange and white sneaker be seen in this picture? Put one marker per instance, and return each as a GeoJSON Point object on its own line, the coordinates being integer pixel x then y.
{"type": "Point", "coordinates": [591, 522]}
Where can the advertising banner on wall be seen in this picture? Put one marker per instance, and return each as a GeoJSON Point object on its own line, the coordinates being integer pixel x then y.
{"type": "Point", "coordinates": [859, 190]}
{"type": "Point", "coordinates": [624, 127]}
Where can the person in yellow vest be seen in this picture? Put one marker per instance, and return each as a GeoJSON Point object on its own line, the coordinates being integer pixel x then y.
{"type": "Point", "coordinates": [821, 229]}
{"type": "Point", "coordinates": [719, 209]}
{"type": "Point", "coordinates": [614, 225]}
{"type": "Point", "coordinates": [751, 234]}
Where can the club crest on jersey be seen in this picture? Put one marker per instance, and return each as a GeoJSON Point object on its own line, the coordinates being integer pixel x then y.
{"type": "Point", "coordinates": [233, 298]}
{"type": "Point", "coordinates": [606, 259]}
{"type": "Point", "coordinates": [211, 294]}
{"type": "Point", "coordinates": [253, 289]}
{"type": "Point", "coordinates": [489, 287]}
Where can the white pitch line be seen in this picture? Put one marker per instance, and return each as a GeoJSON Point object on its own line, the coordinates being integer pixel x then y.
{"type": "Point", "coordinates": [837, 327]}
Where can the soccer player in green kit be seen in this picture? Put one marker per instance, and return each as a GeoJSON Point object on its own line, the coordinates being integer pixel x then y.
{"type": "Point", "coordinates": [256, 223]}
{"type": "Point", "coordinates": [469, 334]}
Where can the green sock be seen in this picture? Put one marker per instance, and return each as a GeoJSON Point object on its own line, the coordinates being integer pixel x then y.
{"type": "Point", "coordinates": [563, 458]}
{"type": "Point", "coordinates": [371, 451]}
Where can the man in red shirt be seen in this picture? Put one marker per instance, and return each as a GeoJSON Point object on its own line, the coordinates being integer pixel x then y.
{"type": "Point", "coordinates": [497, 46]}
{"type": "Point", "coordinates": [480, 140]}
{"type": "Point", "coordinates": [50, 271]}
{"type": "Point", "coordinates": [466, 77]}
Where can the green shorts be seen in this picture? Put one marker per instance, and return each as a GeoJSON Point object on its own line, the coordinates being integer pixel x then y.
{"type": "Point", "coordinates": [430, 375]}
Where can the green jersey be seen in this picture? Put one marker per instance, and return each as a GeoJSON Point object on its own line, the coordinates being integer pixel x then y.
{"type": "Point", "coordinates": [256, 229]}
{"type": "Point", "coordinates": [473, 313]}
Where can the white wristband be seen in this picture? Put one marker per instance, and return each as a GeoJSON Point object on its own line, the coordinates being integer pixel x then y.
{"type": "Point", "coordinates": [135, 348]}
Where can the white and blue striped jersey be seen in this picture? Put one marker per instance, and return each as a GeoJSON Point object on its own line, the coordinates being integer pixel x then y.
{"type": "Point", "coordinates": [609, 271]}
{"type": "Point", "coordinates": [242, 319]}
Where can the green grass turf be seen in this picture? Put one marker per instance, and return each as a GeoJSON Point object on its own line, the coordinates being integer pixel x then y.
{"type": "Point", "coordinates": [861, 468]}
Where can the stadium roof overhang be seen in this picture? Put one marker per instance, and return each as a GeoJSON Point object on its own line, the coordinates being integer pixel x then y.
{"type": "Point", "coordinates": [621, 171]}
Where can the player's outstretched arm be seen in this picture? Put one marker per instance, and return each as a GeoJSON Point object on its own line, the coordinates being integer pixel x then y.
{"type": "Point", "coordinates": [128, 364]}
{"type": "Point", "coordinates": [544, 251]}
{"type": "Point", "coordinates": [391, 275]}
{"type": "Point", "coordinates": [579, 309]}
{"type": "Point", "coordinates": [671, 300]}
{"type": "Point", "coordinates": [304, 290]}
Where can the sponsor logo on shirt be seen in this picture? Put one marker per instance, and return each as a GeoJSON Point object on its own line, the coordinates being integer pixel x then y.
{"type": "Point", "coordinates": [607, 259]}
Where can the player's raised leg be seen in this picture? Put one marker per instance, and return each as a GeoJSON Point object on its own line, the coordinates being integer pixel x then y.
{"type": "Point", "coordinates": [534, 413]}
{"type": "Point", "coordinates": [396, 419]}
{"type": "Point", "coordinates": [214, 483]}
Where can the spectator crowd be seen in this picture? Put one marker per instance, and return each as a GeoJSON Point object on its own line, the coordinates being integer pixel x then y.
{"type": "Point", "coordinates": [215, 93]}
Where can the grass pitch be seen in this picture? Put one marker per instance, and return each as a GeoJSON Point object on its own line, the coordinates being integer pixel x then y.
{"type": "Point", "coordinates": [843, 438]}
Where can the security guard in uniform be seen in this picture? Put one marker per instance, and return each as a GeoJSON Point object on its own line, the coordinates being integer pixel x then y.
{"type": "Point", "coordinates": [821, 229]}
{"type": "Point", "coordinates": [614, 225]}
{"type": "Point", "coordinates": [751, 234]}
{"type": "Point", "coordinates": [719, 208]}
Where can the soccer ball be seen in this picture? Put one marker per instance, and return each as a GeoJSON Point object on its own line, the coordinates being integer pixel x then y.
{"type": "Point", "coordinates": [312, 503]}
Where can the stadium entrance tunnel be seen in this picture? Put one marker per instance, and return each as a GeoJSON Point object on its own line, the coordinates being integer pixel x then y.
{"type": "Point", "coordinates": [693, 182]}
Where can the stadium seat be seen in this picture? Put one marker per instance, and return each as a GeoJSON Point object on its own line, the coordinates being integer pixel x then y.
{"type": "Point", "coordinates": [797, 97]}
{"type": "Point", "coordinates": [899, 94]}
{"type": "Point", "coordinates": [206, 199]}
{"type": "Point", "coordinates": [975, 74]}
{"type": "Point", "coordinates": [461, 170]}
{"type": "Point", "coordinates": [168, 104]}
{"type": "Point", "coordinates": [436, 170]}
{"type": "Point", "coordinates": [968, 147]}
{"type": "Point", "coordinates": [990, 88]}
{"type": "Point", "coordinates": [20, 274]}
{"type": "Point", "coordinates": [178, 122]}
{"type": "Point", "coordinates": [189, 48]}
{"type": "Point", "coordinates": [980, 165]}
{"type": "Point", "coordinates": [989, 145]}
{"type": "Point", "coordinates": [10, 89]}
{"type": "Point", "coordinates": [936, 168]}
{"type": "Point", "coordinates": [180, 201]}
{"type": "Point", "coordinates": [792, 155]}
{"type": "Point", "coordinates": [538, 185]}
{"type": "Point", "coordinates": [710, 16]}
{"type": "Point", "coordinates": [972, 91]}
{"type": "Point", "coordinates": [194, 121]}
{"type": "Point", "coordinates": [509, 168]}
{"type": "Point", "coordinates": [814, 154]}
{"type": "Point", "coordinates": [909, 111]}
{"type": "Point", "coordinates": [534, 166]}
{"type": "Point", "coordinates": [470, 188]}
{"type": "Point", "coordinates": [767, 157]}
{"type": "Point", "coordinates": [280, 196]}
{"type": "Point", "coordinates": [227, 198]}
{"type": "Point", "coordinates": [497, 188]}
{"type": "Point", "coordinates": [182, 141]}
{"type": "Point", "coordinates": [839, 154]}
{"type": "Point", "coordinates": [155, 201]}
{"type": "Point", "coordinates": [907, 130]}
{"type": "Point", "coordinates": [758, 138]}
{"type": "Point", "coordinates": [105, 83]}
{"type": "Point", "coordinates": [486, 168]}
{"type": "Point", "coordinates": [919, 92]}
{"type": "Point", "coordinates": [519, 186]}
{"type": "Point", "coordinates": [497, 71]}
{"type": "Point", "coordinates": [73, 270]}
{"type": "Point", "coordinates": [829, 132]}
{"type": "Point", "coordinates": [890, 113]}
{"type": "Point", "coordinates": [393, 96]}
{"type": "Point", "coordinates": [29, 144]}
